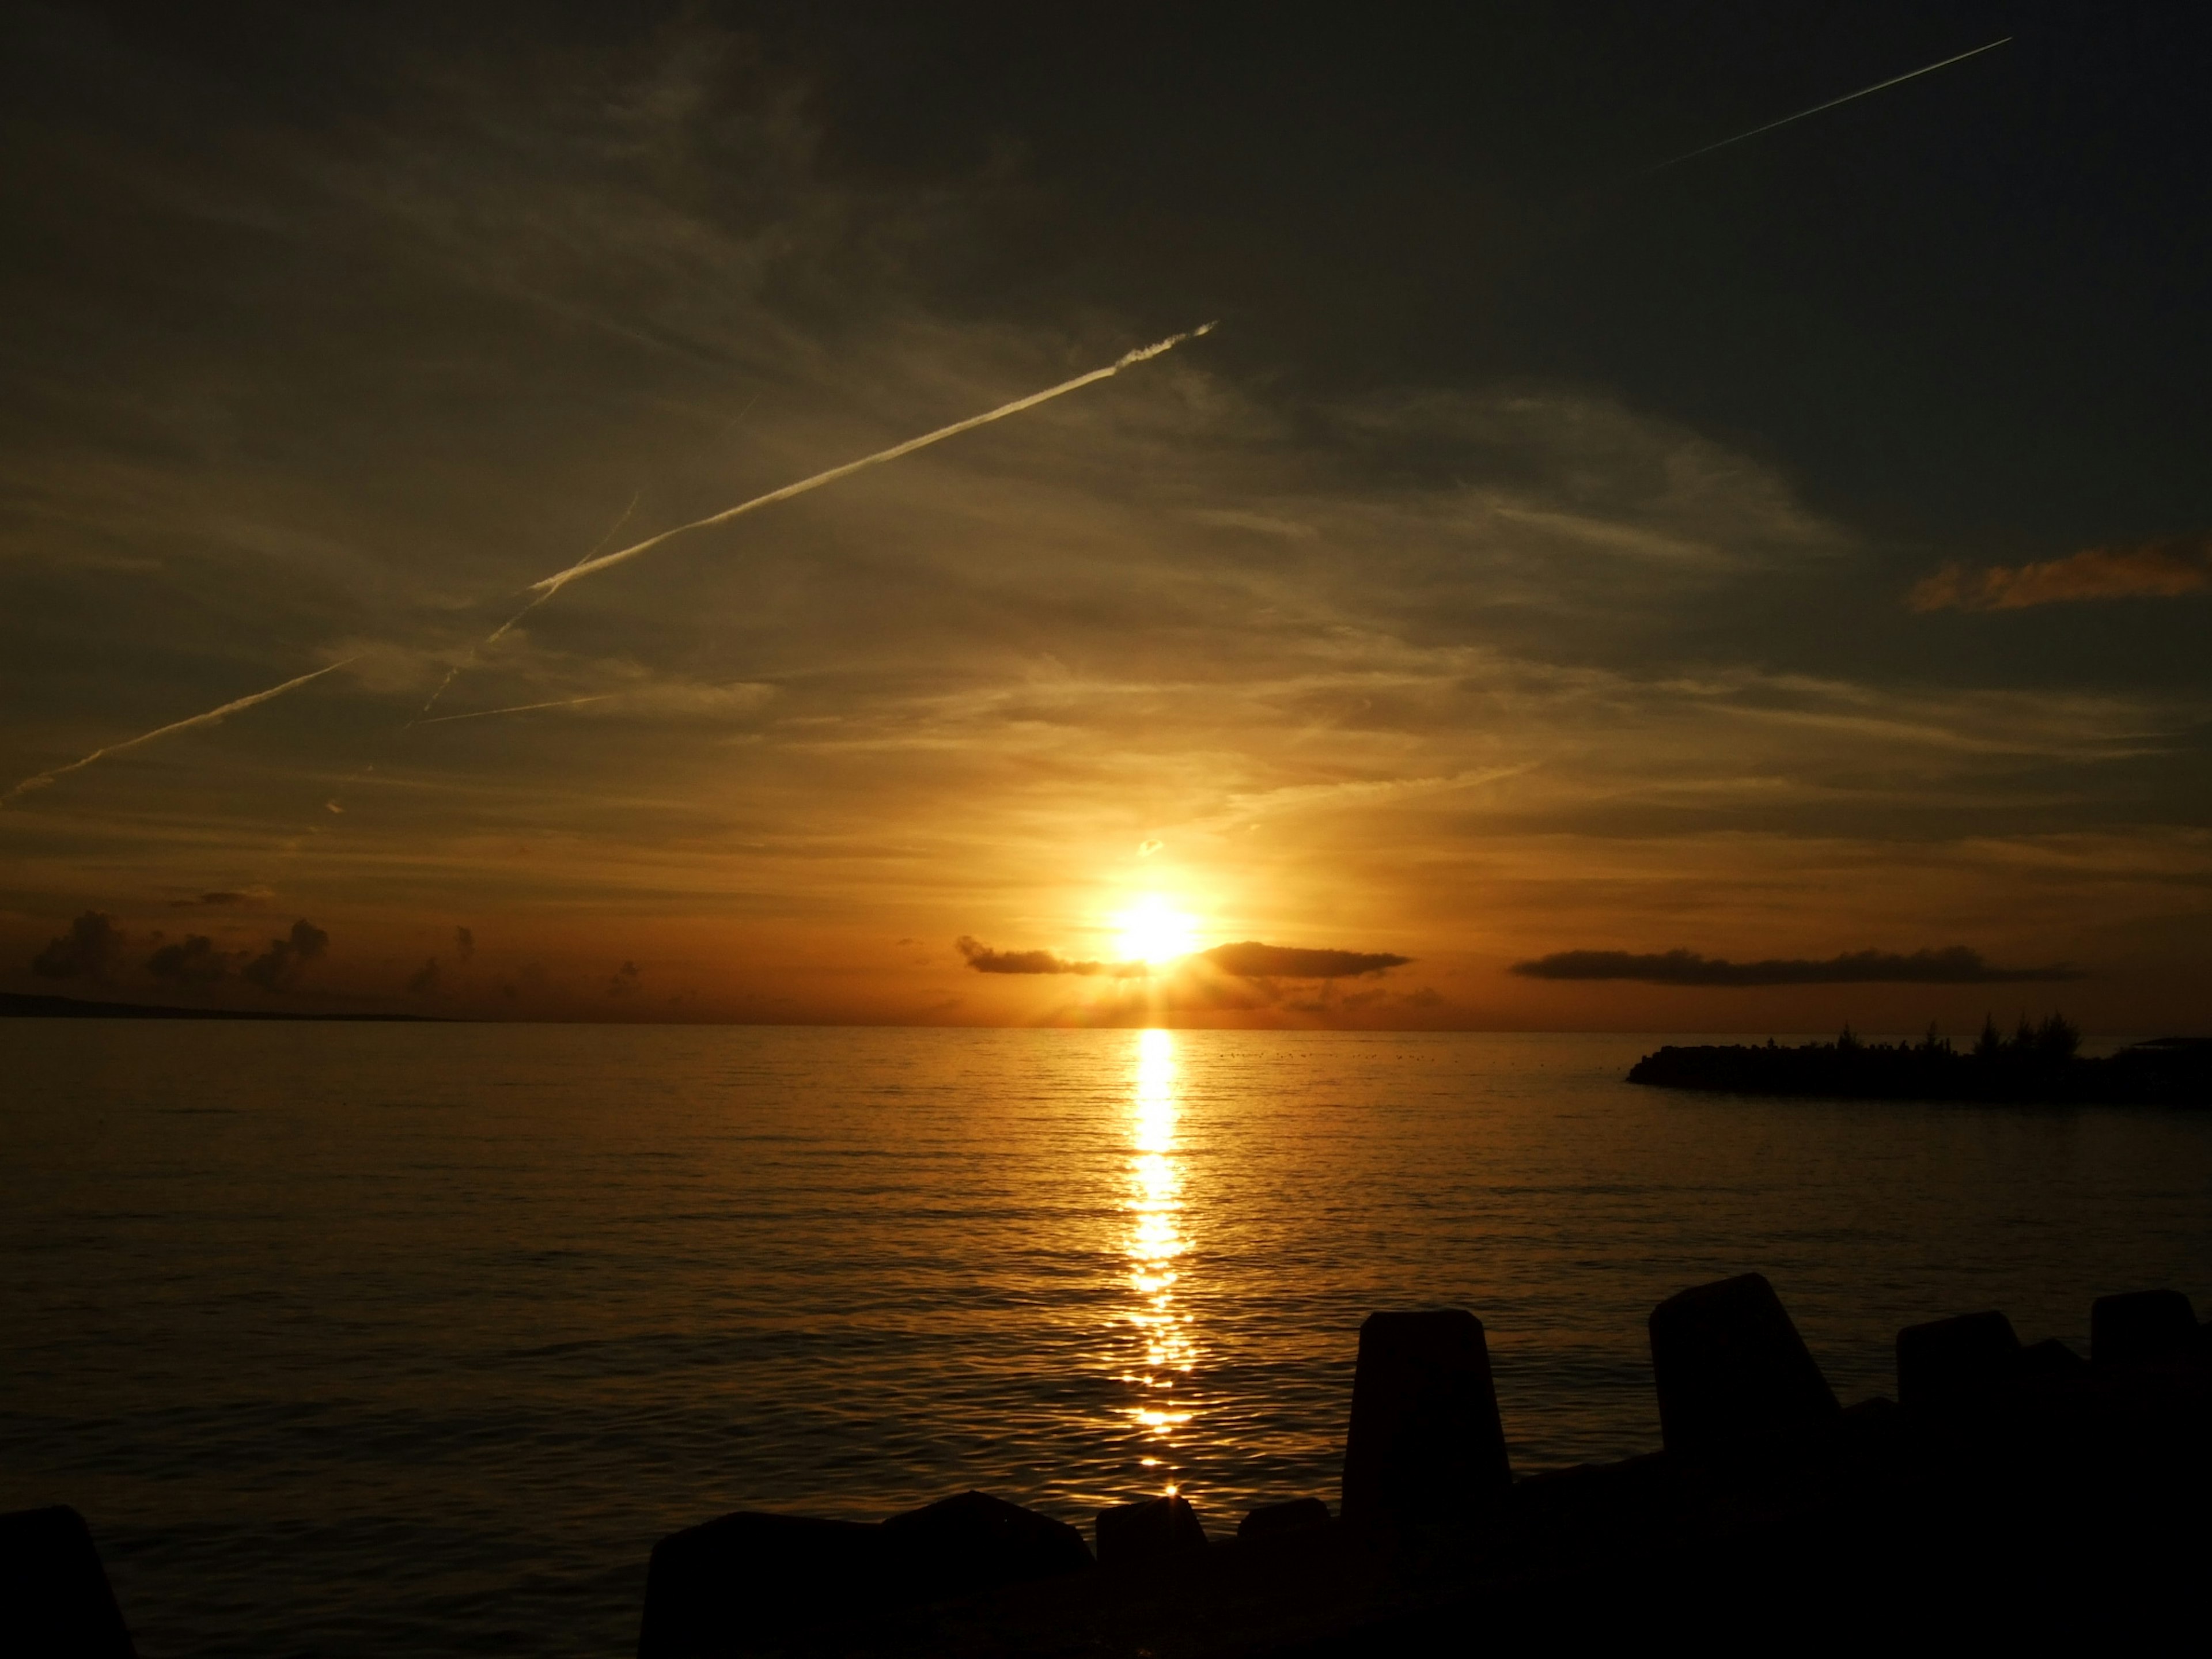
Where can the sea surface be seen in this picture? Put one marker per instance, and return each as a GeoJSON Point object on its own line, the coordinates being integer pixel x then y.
{"type": "Point", "coordinates": [412, 1340]}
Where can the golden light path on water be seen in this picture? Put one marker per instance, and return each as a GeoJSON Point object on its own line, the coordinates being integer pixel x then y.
{"type": "Point", "coordinates": [1155, 1244]}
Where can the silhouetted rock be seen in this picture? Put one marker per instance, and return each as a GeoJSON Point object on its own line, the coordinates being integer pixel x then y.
{"type": "Point", "coordinates": [1272, 1520]}
{"type": "Point", "coordinates": [1425, 1444]}
{"type": "Point", "coordinates": [1148, 1531]}
{"type": "Point", "coordinates": [2051, 1361]}
{"type": "Point", "coordinates": [1731, 1369]}
{"type": "Point", "coordinates": [2141, 1327]}
{"type": "Point", "coordinates": [976, 1542]}
{"type": "Point", "coordinates": [750, 1580]}
{"type": "Point", "coordinates": [55, 1602]}
{"type": "Point", "coordinates": [1948, 1362]}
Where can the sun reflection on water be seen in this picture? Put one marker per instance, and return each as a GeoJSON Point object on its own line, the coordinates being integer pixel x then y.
{"type": "Point", "coordinates": [1155, 1247]}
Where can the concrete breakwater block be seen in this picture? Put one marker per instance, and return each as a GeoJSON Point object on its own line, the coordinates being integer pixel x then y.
{"type": "Point", "coordinates": [2142, 1328]}
{"type": "Point", "coordinates": [1273, 1520]}
{"type": "Point", "coordinates": [1425, 1444]}
{"type": "Point", "coordinates": [752, 1580]}
{"type": "Point", "coordinates": [2051, 1361]}
{"type": "Point", "coordinates": [1948, 1362]}
{"type": "Point", "coordinates": [55, 1602]}
{"type": "Point", "coordinates": [974, 1541]}
{"type": "Point", "coordinates": [1731, 1370]}
{"type": "Point", "coordinates": [1159, 1527]}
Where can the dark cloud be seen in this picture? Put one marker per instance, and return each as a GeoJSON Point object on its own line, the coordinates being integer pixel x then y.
{"type": "Point", "coordinates": [623, 981]}
{"type": "Point", "coordinates": [464, 943]}
{"type": "Point", "coordinates": [425, 980]}
{"type": "Point", "coordinates": [279, 967]}
{"type": "Point", "coordinates": [1252, 960]}
{"type": "Point", "coordinates": [92, 949]}
{"type": "Point", "coordinates": [1249, 960]}
{"type": "Point", "coordinates": [984, 960]}
{"type": "Point", "coordinates": [192, 961]}
{"type": "Point", "coordinates": [1956, 966]}
{"type": "Point", "coordinates": [2158, 570]}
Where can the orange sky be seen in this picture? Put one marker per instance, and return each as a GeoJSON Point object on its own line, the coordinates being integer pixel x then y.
{"type": "Point", "coordinates": [1467, 668]}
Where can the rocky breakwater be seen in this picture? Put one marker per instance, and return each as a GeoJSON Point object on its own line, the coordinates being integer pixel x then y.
{"type": "Point", "coordinates": [2009, 1490]}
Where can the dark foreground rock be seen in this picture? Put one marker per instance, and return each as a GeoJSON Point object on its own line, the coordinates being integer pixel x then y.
{"type": "Point", "coordinates": [756, 1582]}
{"type": "Point", "coordinates": [1950, 1364]}
{"type": "Point", "coordinates": [1425, 1444]}
{"type": "Point", "coordinates": [2018, 1496]}
{"type": "Point", "coordinates": [2142, 1328]}
{"type": "Point", "coordinates": [1273, 1520]}
{"type": "Point", "coordinates": [55, 1602]}
{"type": "Point", "coordinates": [1731, 1370]}
{"type": "Point", "coordinates": [1137, 1535]}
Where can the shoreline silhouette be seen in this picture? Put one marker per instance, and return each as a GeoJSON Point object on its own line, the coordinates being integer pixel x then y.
{"type": "Point", "coordinates": [2040, 1064]}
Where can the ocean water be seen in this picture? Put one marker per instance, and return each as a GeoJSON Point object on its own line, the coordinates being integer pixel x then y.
{"type": "Point", "coordinates": [412, 1340]}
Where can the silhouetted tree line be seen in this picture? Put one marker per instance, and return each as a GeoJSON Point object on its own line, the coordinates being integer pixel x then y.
{"type": "Point", "coordinates": [2040, 1061]}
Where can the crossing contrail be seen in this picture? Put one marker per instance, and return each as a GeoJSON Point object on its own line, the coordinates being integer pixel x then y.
{"type": "Point", "coordinates": [1879, 86]}
{"type": "Point", "coordinates": [553, 584]}
{"type": "Point", "coordinates": [520, 708]}
{"type": "Point", "coordinates": [422, 716]}
{"type": "Point", "coordinates": [210, 718]}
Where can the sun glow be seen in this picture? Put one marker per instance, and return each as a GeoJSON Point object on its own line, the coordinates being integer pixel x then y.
{"type": "Point", "coordinates": [1152, 931]}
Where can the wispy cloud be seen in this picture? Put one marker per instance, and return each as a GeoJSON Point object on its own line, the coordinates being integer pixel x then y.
{"type": "Point", "coordinates": [2154, 570]}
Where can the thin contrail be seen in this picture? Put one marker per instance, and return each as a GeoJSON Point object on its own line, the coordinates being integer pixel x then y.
{"type": "Point", "coordinates": [1895, 80]}
{"type": "Point", "coordinates": [210, 718]}
{"type": "Point", "coordinates": [422, 717]}
{"type": "Point", "coordinates": [553, 584]}
{"type": "Point", "coordinates": [520, 708]}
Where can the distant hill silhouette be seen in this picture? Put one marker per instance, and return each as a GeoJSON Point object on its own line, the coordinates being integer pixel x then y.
{"type": "Point", "coordinates": [2038, 1063]}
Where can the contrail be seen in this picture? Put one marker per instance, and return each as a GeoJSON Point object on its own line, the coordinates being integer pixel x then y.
{"type": "Point", "coordinates": [1895, 80]}
{"type": "Point", "coordinates": [422, 717]}
{"type": "Point", "coordinates": [553, 585]}
{"type": "Point", "coordinates": [210, 718]}
{"type": "Point", "coordinates": [520, 708]}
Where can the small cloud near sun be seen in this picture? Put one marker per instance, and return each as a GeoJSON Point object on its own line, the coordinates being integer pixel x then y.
{"type": "Point", "coordinates": [1146, 849]}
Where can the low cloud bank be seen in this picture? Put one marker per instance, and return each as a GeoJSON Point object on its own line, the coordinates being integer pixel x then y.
{"type": "Point", "coordinates": [279, 967]}
{"type": "Point", "coordinates": [92, 949]}
{"type": "Point", "coordinates": [1250, 959]}
{"type": "Point", "coordinates": [1956, 966]}
{"type": "Point", "coordinates": [192, 960]}
{"type": "Point", "coordinates": [2158, 570]}
{"type": "Point", "coordinates": [984, 960]}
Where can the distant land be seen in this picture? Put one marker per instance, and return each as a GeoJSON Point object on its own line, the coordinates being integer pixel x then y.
{"type": "Point", "coordinates": [2038, 1065]}
{"type": "Point", "coordinates": [16, 1006]}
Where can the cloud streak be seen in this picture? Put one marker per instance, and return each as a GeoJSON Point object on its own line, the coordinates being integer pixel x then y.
{"type": "Point", "coordinates": [213, 716]}
{"type": "Point", "coordinates": [984, 960]}
{"type": "Point", "coordinates": [2155, 570]}
{"type": "Point", "coordinates": [1246, 959]}
{"type": "Point", "coordinates": [1249, 959]}
{"type": "Point", "coordinates": [553, 584]}
{"type": "Point", "coordinates": [1955, 966]}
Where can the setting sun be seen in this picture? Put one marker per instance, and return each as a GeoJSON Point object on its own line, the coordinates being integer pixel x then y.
{"type": "Point", "coordinates": [1152, 931]}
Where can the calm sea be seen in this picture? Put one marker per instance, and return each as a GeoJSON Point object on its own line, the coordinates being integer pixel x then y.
{"type": "Point", "coordinates": [376, 1339]}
